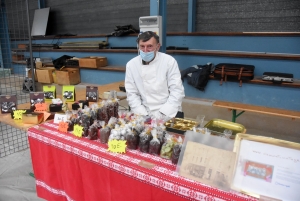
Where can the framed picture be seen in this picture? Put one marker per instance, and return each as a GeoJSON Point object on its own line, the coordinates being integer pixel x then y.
{"type": "Point", "coordinates": [267, 167]}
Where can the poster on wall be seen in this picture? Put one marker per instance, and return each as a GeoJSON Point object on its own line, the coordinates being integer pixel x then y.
{"type": "Point", "coordinates": [267, 167]}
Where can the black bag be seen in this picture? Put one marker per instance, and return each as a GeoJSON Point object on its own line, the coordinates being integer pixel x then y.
{"type": "Point", "coordinates": [124, 30]}
{"type": "Point", "coordinates": [61, 61]}
{"type": "Point", "coordinates": [198, 75]}
{"type": "Point", "coordinates": [229, 71]}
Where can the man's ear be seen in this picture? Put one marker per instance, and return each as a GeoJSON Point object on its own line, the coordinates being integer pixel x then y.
{"type": "Point", "coordinates": [158, 46]}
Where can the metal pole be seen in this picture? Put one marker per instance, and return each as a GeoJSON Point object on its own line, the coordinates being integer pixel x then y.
{"type": "Point", "coordinates": [163, 12]}
{"type": "Point", "coordinates": [30, 48]}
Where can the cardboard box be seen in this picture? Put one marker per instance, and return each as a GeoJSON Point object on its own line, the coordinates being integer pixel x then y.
{"type": "Point", "coordinates": [92, 62]}
{"type": "Point", "coordinates": [67, 76]}
{"type": "Point", "coordinates": [30, 74]}
{"type": "Point", "coordinates": [22, 46]}
{"type": "Point", "coordinates": [45, 75]}
{"type": "Point", "coordinates": [17, 57]}
{"type": "Point", "coordinates": [32, 118]}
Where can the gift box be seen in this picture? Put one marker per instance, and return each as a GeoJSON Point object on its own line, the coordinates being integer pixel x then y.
{"type": "Point", "coordinates": [32, 118]}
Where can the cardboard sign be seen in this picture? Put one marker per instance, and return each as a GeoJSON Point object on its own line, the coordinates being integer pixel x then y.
{"type": "Point", "coordinates": [41, 107]}
{"type": "Point", "coordinates": [59, 117]}
{"type": "Point", "coordinates": [78, 130]}
{"type": "Point", "coordinates": [18, 114]}
{"type": "Point", "coordinates": [117, 146]}
{"type": "Point", "coordinates": [63, 126]}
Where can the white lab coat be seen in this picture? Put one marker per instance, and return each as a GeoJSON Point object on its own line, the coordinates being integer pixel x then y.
{"type": "Point", "coordinates": [154, 87]}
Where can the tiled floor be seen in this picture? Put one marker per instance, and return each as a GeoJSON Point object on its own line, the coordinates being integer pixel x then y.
{"type": "Point", "coordinates": [15, 182]}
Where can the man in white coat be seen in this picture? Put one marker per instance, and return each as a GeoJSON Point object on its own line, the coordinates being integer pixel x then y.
{"type": "Point", "coordinates": [153, 81]}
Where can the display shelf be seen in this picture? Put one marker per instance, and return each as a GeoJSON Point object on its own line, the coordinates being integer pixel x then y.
{"type": "Point", "coordinates": [107, 68]}
{"type": "Point", "coordinates": [19, 49]}
{"type": "Point", "coordinates": [19, 62]}
{"type": "Point", "coordinates": [277, 34]}
{"type": "Point", "coordinates": [258, 80]}
{"type": "Point", "coordinates": [237, 54]}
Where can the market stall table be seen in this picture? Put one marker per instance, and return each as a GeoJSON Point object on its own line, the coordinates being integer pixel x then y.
{"type": "Point", "coordinates": [70, 168]}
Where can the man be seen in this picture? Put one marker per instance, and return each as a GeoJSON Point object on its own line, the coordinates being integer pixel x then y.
{"type": "Point", "coordinates": [153, 81]}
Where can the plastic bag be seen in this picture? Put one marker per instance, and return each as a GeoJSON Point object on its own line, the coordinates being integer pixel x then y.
{"type": "Point", "coordinates": [154, 145]}
{"type": "Point", "coordinates": [176, 151]}
{"type": "Point", "coordinates": [167, 147]}
{"type": "Point", "coordinates": [145, 138]}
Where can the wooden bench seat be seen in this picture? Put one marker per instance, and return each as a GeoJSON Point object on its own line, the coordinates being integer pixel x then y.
{"type": "Point", "coordinates": [253, 108]}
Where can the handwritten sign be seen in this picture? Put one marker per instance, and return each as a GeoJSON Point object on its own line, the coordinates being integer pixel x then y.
{"type": "Point", "coordinates": [59, 117]}
{"type": "Point", "coordinates": [63, 126]}
{"type": "Point", "coordinates": [41, 107]}
{"type": "Point", "coordinates": [117, 146]}
{"type": "Point", "coordinates": [78, 130]}
{"type": "Point", "coordinates": [18, 114]}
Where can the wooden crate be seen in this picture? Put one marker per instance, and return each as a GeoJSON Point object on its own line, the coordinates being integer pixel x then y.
{"type": "Point", "coordinates": [92, 62]}
{"type": "Point", "coordinates": [30, 74]}
{"type": "Point", "coordinates": [17, 57]}
{"type": "Point", "coordinates": [67, 76]}
{"type": "Point", "coordinates": [22, 46]}
{"type": "Point", "coordinates": [45, 75]}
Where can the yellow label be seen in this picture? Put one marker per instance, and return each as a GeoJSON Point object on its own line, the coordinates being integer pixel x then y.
{"type": "Point", "coordinates": [78, 130]}
{"type": "Point", "coordinates": [18, 114]}
{"type": "Point", "coordinates": [117, 146]}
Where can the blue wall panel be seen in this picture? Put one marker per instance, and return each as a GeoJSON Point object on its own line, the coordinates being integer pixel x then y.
{"type": "Point", "coordinates": [263, 95]}
{"type": "Point", "coordinates": [100, 77]}
{"type": "Point", "coordinates": [238, 43]}
{"type": "Point", "coordinates": [261, 65]}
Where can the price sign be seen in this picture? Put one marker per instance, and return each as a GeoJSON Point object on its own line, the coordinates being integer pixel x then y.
{"type": "Point", "coordinates": [78, 130]}
{"type": "Point", "coordinates": [41, 107]}
{"type": "Point", "coordinates": [117, 146]}
{"type": "Point", "coordinates": [59, 117]}
{"type": "Point", "coordinates": [18, 114]}
{"type": "Point", "coordinates": [63, 126]}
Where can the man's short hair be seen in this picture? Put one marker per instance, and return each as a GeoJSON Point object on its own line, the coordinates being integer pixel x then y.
{"type": "Point", "coordinates": [145, 36]}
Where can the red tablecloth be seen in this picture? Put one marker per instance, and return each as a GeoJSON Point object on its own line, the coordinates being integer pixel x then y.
{"type": "Point", "coordinates": [71, 168]}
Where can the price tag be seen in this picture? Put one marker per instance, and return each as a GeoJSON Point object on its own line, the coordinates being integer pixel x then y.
{"type": "Point", "coordinates": [18, 114]}
{"type": "Point", "coordinates": [117, 146]}
{"type": "Point", "coordinates": [78, 130]}
{"type": "Point", "coordinates": [59, 117]}
{"type": "Point", "coordinates": [41, 107]}
{"type": "Point", "coordinates": [63, 126]}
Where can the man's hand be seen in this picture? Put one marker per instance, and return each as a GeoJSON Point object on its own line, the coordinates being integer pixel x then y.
{"type": "Point", "coordinates": [159, 115]}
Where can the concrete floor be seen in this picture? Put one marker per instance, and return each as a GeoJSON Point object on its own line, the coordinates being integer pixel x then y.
{"type": "Point", "coordinates": [15, 182]}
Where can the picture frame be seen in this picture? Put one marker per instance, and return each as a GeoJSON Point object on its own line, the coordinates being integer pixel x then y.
{"type": "Point", "coordinates": [266, 167]}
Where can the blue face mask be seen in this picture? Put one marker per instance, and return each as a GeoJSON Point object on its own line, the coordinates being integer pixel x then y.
{"type": "Point", "coordinates": [147, 56]}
